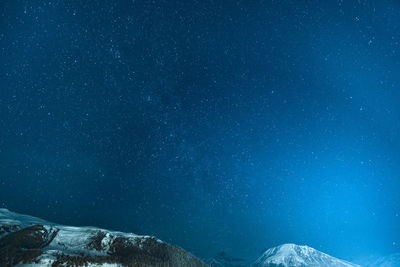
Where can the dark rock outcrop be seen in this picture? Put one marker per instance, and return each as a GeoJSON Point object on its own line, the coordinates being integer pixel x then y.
{"type": "Point", "coordinates": [27, 240]}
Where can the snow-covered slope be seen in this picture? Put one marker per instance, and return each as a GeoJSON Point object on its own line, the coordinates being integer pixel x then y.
{"type": "Point", "coordinates": [29, 241]}
{"type": "Point", "coordinates": [291, 255]}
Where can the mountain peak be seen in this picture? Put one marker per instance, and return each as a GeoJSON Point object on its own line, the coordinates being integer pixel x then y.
{"type": "Point", "coordinates": [298, 256]}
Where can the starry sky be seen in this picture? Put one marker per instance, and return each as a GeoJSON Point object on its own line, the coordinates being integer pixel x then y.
{"type": "Point", "coordinates": [215, 125]}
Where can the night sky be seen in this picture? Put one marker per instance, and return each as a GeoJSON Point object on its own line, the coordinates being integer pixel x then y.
{"type": "Point", "coordinates": [215, 125]}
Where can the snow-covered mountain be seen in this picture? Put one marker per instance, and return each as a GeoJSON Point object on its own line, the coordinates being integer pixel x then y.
{"type": "Point", "coordinates": [32, 242]}
{"type": "Point", "coordinates": [29, 241]}
{"type": "Point", "coordinates": [291, 255]}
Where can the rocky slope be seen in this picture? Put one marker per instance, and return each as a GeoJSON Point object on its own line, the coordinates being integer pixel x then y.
{"type": "Point", "coordinates": [291, 255]}
{"type": "Point", "coordinates": [29, 241]}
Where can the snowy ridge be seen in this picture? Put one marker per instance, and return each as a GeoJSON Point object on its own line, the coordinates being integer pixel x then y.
{"type": "Point", "coordinates": [29, 241]}
{"type": "Point", "coordinates": [75, 239]}
{"type": "Point", "coordinates": [32, 242]}
{"type": "Point", "coordinates": [291, 255]}
{"type": "Point", "coordinates": [15, 219]}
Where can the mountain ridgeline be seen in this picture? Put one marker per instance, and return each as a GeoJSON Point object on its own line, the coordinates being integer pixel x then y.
{"type": "Point", "coordinates": [29, 241]}
{"type": "Point", "coordinates": [32, 242]}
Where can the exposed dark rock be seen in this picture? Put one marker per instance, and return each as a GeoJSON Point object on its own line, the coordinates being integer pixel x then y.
{"type": "Point", "coordinates": [8, 228]}
{"type": "Point", "coordinates": [95, 241]}
{"type": "Point", "coordinates": [25, 245]}
{"type": "Point", "coordinates": [74, 246]}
